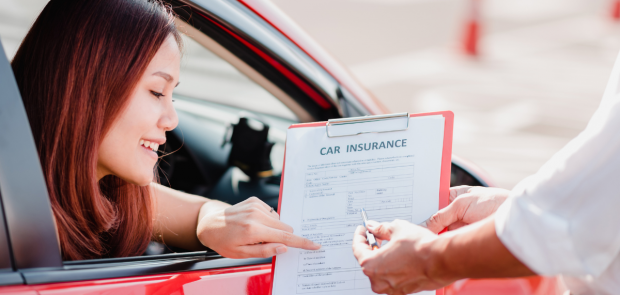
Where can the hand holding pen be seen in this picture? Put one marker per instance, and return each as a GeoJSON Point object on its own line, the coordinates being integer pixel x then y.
{"type": "Point", "coordinates": [392, 268]}
{"type": "Point", "coordinates": [369, 237]}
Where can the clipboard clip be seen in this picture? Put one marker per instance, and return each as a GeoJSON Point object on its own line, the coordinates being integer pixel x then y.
{"type": "Point", "coordinates": [380, 124]}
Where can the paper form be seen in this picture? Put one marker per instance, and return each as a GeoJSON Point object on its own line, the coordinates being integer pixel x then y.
{"type": "Point", "coordinates": [327, 181]}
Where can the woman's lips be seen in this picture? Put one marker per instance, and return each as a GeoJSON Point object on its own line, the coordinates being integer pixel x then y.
{"type": "Point", "coordinates": [151, 146]}
{"type": "Point", "coordinates": [149, 152]}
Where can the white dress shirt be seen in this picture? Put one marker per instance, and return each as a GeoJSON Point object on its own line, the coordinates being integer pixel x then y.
{"type": "Point", "coordinates": [565, 219]}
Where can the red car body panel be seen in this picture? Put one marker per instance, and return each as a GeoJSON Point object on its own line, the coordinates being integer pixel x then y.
{"type": "Point", "coordinates": [18, 290]}
{"type": "Point", "coordinates": [256, 280]}
{"type": "Point", "coordinates": [250, 280]}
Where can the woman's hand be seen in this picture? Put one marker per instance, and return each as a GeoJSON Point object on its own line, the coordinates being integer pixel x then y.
{"type": "Point", "coordinates": [468, 204]}
{"type": "Point", "coordinates": [248, 229]}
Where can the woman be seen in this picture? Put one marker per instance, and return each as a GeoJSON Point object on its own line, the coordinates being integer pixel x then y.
{"type": "Point", "coordinates": [96, 78]}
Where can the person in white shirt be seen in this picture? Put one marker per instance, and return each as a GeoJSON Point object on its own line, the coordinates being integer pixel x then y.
{"type": "Point", "coordinates": [563, 220]}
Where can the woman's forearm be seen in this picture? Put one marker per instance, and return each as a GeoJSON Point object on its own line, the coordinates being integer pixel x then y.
{"type": "Point", "coordinates": [473, 251]}
{"type": "Point", "coordinates": [177, 215]}
{"type": "Point", "coordinates": [211, 206]}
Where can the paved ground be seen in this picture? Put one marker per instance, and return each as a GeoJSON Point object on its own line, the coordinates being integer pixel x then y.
{"type": "Point", "coordinates": [543, 68]}
{"type": "Point", "coordinates": [542, 71]}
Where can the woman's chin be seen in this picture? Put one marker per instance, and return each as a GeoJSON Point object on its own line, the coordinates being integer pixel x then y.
{"type": "Point", "coordinates": [141, 180]}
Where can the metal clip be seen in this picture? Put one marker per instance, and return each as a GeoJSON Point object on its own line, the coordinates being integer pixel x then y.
{"type": "Point", "coordinates": [366, 119]}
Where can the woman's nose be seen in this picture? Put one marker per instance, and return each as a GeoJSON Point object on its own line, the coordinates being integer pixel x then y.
{"type": "Point", "coordinates": [169, 119]}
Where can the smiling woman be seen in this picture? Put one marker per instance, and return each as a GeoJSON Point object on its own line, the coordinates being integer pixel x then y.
{"type": "Point", "coordinates": [96, 78]}
{"type": "Point", "coordinates": [75, 69]}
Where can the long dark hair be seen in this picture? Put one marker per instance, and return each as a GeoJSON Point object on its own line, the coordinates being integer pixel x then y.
{"type": "Point", "coordinates": [75, 69]}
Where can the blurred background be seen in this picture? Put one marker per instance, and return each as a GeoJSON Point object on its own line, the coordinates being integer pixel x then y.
{"type": "Point", "coordinates": [538, 74]}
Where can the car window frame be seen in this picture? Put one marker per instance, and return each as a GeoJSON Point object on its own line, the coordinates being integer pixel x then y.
{"type": "Point", "coordinates": [31, 243]}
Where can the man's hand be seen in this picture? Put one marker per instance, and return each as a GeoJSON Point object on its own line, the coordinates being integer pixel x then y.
{"type": "Point", "coordinates": [416, 259]}
{"type": "Point", "coordinates": [248, 229]}
{"type": "Point", "coordinates": [468, 204]}
{"type": "Point", "coordinates": [400, 266]}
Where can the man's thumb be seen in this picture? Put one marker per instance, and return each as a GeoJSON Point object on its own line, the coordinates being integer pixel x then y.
{"type": "Point", "coordinates": [381, 231]}
{"type": "Point", "coordinates": [442, 219]}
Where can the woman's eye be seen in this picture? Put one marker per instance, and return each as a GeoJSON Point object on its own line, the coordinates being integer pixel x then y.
{"type": "Point", "coordinates": [157, 94]}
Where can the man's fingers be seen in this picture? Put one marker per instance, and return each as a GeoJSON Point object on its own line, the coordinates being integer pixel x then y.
{"type": "Point", "coordinates": [443, 218]}
{"type": "Point", "coordinates": [360, 245]}
{"type": "Point", "coordinates": [263, 250]}
{"type": "Point", "coordinates": [381, 231]}
{"type": "Point", "coordinates": [372, 223]}
{"type": "Point", "coordinates": [458, 190]}
{"type": "Point", "coordinates": [381, 286]}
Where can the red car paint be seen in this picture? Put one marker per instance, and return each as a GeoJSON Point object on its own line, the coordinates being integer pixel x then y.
{"type": "Point", "coordinates": [250, 280]}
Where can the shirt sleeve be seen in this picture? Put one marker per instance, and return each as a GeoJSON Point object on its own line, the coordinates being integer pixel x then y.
{"type": "Point", "coordinates": [565, 219]}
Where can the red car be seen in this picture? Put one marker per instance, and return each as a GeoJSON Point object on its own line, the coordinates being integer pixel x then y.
{"type": "Point", "coordinates": [243, 59]}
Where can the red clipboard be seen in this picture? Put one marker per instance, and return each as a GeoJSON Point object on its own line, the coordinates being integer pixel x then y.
{"type": "Point", "coordinates": [444, 180]}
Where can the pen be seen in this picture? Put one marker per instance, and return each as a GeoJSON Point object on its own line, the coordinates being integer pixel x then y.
{"type": "Point", "coordinates": [369, 237]}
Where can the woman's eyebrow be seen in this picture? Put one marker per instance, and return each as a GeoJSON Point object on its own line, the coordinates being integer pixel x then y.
{"type": "Point", "coordinates": [166, 76]}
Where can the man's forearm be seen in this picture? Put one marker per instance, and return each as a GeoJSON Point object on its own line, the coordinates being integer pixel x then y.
{"type": "Point", "coordinates": [473, 251]}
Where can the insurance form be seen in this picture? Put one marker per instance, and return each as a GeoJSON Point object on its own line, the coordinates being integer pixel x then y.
{"type": "Point", "coordinates": [393, 175]}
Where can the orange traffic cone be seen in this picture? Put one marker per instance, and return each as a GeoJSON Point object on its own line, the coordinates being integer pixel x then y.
{"type": "Point", "coordinates": [472, 29]}
{"type": "Point", "coordinates": [615, 10]}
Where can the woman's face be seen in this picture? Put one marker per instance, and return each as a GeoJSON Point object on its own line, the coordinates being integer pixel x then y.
{"type": "Point", "coordinates": [127, 150]}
